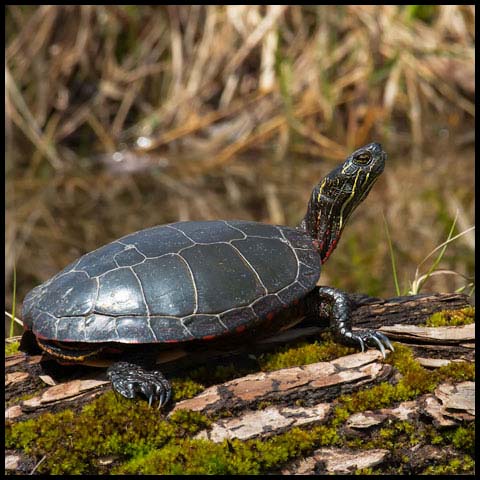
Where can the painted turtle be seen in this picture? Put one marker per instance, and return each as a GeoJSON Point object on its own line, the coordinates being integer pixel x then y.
{"type": "Point", "coordinates": [199, 283]}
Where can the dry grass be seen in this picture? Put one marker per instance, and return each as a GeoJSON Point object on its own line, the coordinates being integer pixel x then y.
{"type": "Point", "coordinates": [122, 117]}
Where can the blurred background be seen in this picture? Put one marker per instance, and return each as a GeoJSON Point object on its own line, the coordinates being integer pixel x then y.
{"type": "Point", "coordinates": [119, 118]}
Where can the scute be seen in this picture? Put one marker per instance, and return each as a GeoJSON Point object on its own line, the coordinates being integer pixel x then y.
{"type": "Point", "coordinates": [134, 330]}
{"type": "Point", "coordinates": [273, 261]}
{"type": "Point", "coordinates": [72, 294]}
{"type": "Point", "coordinates": [128, 257]}
{"type": "Point", "coordinates": [101, 327]}
{"type": "Point", "coordinates": [204, 325]}
{"type": "Point", "coordinates": [170, 329]}
{"type": "Point", "coordinates": [266, 305]}
{"type": "Point", "coordinates": [156, 241]}
{"type": "Point", "coordinates": [238, 317]}
{"type": "Point", "coordinates": [175, 283]}
{"type": "Point", "coordinates": [120, 293]}
{"type": "Point", "coordinates": [167, 285]}
{"type": "Point", "coordinates": [99, 261]}
{"type": "Point", "coordinates": [222, 278]}
{"type": "Point", "coordinates": [66, 328]}
{"type": "Point", "coordinates": [209, 232]}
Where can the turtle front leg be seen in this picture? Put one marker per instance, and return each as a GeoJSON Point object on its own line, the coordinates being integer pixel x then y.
{"type": "Point", "coordinates": [340, 322]}
{"type": "Point", "coordinates": [130, 379]}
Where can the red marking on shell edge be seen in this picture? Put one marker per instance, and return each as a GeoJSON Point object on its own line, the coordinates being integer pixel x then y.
{"type": "Point", "coordinates": [38, 335]}
{"type": "Point", "coordinates": [240, 329]}
{"type": "Point", "coordinates": [171, 341]}
{"type": "Point", "coordinates": [208, 337]}
{"type": "Point", "coordinates": [113, 350]}
{"type": "Point", "coordinates": [270, 316]}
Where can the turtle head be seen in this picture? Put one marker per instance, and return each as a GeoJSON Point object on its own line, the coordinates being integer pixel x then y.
{"type": "Point", "coordinates": [338, 195]}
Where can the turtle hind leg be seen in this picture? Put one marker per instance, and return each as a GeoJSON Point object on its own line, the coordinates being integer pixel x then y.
{"type": "Point", "coordinates": [340, 321]}
{"type": "Point", "coordinates": [130, 379]}
{"type": "Point", "coordinates": [28, 343]}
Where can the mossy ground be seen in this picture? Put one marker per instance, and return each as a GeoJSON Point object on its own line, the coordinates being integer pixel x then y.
{"type": "Point", "coordinates": [11, 348]}
{"type": "Point", "coordinates": [415, 380]}
{"type": "Point", "coordinates": [75, 442]}
{"type": "Point", "coordinates": [142, 441]}
{"type": "Point", "coordinates": [304, 353]}
{"type": "Point", "coordinates": [463, 316]}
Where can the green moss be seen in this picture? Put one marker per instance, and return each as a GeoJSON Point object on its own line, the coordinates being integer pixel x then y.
{"type": "Point", "coordinates": [416, 380]}
{"type": "Point", "coordinates": [264, 404]}
{"type": "Point", "coordinates": [180, 457]}
{"type": "Point", "coordinates": [74, 442]}
{"type": "Point", "coordinates": [145, 442]}
{"type": "Point", "coordinates": [364, 471]}
{"type": "Point", "coordinates": [464, 316]}
{"type": "Point", "coordinates": [305, 353]}
{"type": "Point", "coordinates": [231, 457]}
{"type": "Point", "coordinates": [11, 348]}
{"type": "Point", "coordinates": [458, 465]}
{"type": "Point", "coordinates": [25, 396]}
{"type": "Point", "coordinates": [200, 378]}
{"type": "Point", "coordinates": [400, 436]}
{"type": "Point", "coordinates": [456, 371]}
{"type": "Point", "coordinates": [210, 375]}
{"type": "Point", "coordinates": [183, 388]}
{"type": "Point", "coordinates": [234, 457]}
{"type": "Point", "coordinates": [463, 438]}
{"type": "Point", "coordinates": [396, 436]}
{"type": "Point", "coordinates": [188, 421]}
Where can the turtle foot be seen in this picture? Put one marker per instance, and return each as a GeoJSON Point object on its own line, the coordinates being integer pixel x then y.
{"type": "Point", "coordinates": [341, 321]}
{"type": "Point", "coordinates": [372, 338]}
{"type": "Point", "coordinates": [129, 380]}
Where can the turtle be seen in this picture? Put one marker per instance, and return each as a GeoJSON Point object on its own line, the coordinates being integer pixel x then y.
{"type": "Point", "coordinates": [200, 283]}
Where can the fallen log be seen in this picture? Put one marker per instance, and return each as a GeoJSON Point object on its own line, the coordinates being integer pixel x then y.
{"type": "Point", "coordinates": [263, 404]}
{"type": "Point", "coordinates": [73, 387]}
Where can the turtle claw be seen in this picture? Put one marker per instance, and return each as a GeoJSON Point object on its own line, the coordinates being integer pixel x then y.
{"type": "Point", "coordinates": [129, 379]}
{"type": "Point", "coordinates": [165, 393]}
{"type": "Point", "coordinates": [161, 400]}
{"type": "Point", "coordinates": [372, 338]}
{"type": "Point", "coordinates": [385, 340]}
{"type": "Point", "coordinates": [380, 346]}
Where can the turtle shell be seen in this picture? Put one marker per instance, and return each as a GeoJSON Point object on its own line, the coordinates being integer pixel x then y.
{"type": "Point", "coordinates": [175, 283]}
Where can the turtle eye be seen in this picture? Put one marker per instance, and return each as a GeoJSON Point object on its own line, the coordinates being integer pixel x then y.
{"type": "Point", "coordinates": [362, 158]}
